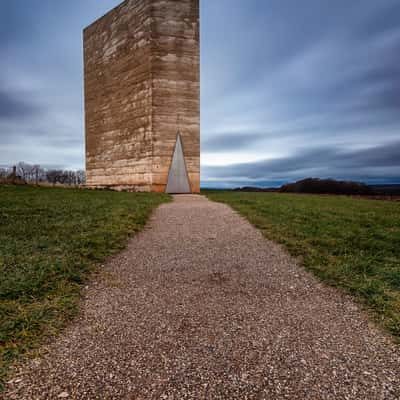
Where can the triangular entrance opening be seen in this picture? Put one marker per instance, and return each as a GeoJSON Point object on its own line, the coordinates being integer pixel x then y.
{"type": "Point", "coordinates": [178, 181]}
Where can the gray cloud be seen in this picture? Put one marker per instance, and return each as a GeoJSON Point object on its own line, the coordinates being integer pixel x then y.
{"type": "Point", "coordinates": [15, 106]}
{"type": "Point", "coordinates": [324, 77]}
{"type": "Point", "coordinates": [306, 86]}
{"type": "Point", "coordinates": [228, 141]}
{"type": "Point", "coordinates": [320, 162]}
{"type": "Point", "coordinates": [41, 112]}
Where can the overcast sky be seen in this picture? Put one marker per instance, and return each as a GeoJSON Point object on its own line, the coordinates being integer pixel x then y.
{"type": "Point", "coordinates": [289, 89]}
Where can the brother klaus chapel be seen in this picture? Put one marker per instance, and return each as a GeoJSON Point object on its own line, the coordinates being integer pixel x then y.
{"type": "Point", "coordinates": [142, 97]}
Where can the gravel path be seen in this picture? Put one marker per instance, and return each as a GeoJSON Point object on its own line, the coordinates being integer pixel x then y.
{"type": "Point", "coordinates": [201, 306]}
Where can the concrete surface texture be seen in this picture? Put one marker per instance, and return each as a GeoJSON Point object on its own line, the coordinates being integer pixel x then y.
{"type": "Point", "coordinates": [142, 87]}
{"type": "Point", "coordinates": [201, 306]}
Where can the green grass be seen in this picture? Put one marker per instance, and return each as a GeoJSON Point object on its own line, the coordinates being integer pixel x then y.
{"type": "Point", "coordinates": [353, 244]}
{"type": "Point", "coordinates": [51, 239]}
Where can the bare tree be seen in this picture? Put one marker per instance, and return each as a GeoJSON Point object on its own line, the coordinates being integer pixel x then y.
{"type": "Point", "coordinates": [70, 177]}
{"type": "Point", "coordinates": [80, 177]}
{"type": "Point", "coordinates": [53, 175]}
{"type": "Point", "coordinates": [24, 170]}
{"type": "Point", "coordinates": [4, 172]}
{"type": "Point", "coordinates": [35, 174]}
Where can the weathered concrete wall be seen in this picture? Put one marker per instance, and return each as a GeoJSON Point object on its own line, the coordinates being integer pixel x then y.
{"type": "Point", "coordinates": [141, 87]}
{"type": "Point", "coordinates": [176, 87]}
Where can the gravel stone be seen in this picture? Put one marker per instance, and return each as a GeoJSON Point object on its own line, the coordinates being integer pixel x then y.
{"type": "Point", "coordinates": [201, 306]}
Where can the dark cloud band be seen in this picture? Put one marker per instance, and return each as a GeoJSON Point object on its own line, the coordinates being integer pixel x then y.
{"type": "Point", "coordinates": [319, 162]}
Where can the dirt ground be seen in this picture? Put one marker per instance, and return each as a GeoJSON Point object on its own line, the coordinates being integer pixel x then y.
{"type": "Point", "coordinates": [201, 306]}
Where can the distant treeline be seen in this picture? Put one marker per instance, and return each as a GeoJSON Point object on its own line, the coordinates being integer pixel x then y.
{"type": "Point", "coordinates": [330, 186]}
{"type": "Point", "coordinates": [326, 186]}
{"type": "Point", "coordinates": [33, 173]}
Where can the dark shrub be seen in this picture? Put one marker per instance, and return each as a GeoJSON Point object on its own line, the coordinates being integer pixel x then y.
{"type": "Point", "coordinates": [326, 186]}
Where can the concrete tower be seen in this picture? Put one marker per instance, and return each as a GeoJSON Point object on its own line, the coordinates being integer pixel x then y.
{"type": "Point", "coordinates": [142, 97]}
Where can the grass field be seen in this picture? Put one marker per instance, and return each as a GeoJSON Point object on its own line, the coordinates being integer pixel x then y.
{"type": "Point", "coordinates": [50, 240]}
{"type": "Point", "coordinates": [353, 244]}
